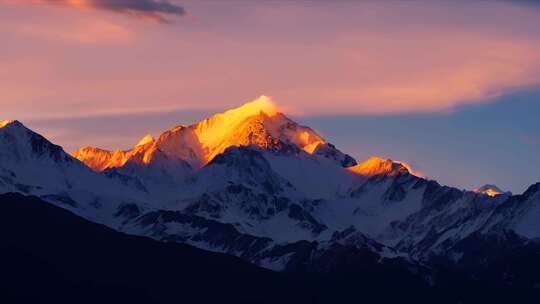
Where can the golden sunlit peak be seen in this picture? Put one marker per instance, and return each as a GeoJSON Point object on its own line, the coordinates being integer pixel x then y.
{"type": "Point", "coordinates": [489, 190]}
{"type": "Point", "coordinates": [221, 130]}
{"type": "Point", "coordinates": [7, 122]}
{"type": "Point", "coordinates": [378, 166]}
{"type": "Point", "coordinates": [145, 140]}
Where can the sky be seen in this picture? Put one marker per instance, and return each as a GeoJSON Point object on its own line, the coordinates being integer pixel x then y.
{"type": "Point", "coordinates": [451, 87]}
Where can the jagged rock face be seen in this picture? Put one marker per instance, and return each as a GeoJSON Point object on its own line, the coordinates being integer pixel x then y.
{"type": "Point", "coordinates": [249, 167]}
{"type": "Point", "coordinates": [329, 151]}
{"type": "Point", "coordinates": [518, 213]}
{"type": "Point", "coordinates": [446, 219]}
{"type": "Point", "coordinates": [247, 187]}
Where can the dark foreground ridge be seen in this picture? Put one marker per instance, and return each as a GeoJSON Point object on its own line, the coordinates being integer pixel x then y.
{"type": "Point", "coordinates": [49, 255]}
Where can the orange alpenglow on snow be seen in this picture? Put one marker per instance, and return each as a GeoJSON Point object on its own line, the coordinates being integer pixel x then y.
{"type": "Point", "coordinates": [489, 190]}
{"type": "Point", "coordinates": [379, 166]}
{"type": "Point", "coordinates": [216, 133]}
{"type": "Point", "coordinates": [258, 122]}
{"type": "Point", "coordinates": [99, 159]}
{"type": "Point", "coordinates": [145, 140]}
{"type": "Point", "coordinates": [6, 122]}
{"type": "Point", "coordinates": [309, 143]}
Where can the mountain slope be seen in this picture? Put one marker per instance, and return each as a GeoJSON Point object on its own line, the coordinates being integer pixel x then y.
{"type": "Point", "coordinates": [30, 164]}
{"type": "Point", "coordinates": [49, 254]}
{"type": "Point", "coordinates": [62, 258]}
{"type": "Point", "coordinates": [89, 258]}
{"type": "Point", "coordinates": [22, 150]}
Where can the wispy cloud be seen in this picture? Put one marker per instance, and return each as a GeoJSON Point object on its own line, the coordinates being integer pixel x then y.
{"type": "Point", "coordinates": [90, 31]}
{"type": "Point", "coordinates": [367, 58]}
{"type": "Point", "coordinates": [157, 10]}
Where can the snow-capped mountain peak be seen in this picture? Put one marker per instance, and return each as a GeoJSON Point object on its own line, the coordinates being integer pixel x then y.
{"type": "Point", "coordinates": [223, 130]}
{"type": "Point", "coordinates": [490, 190]}
{"type": "Point", "coordinates": [380, 166]}
{"type": "Point", "coordinates": [145, 140]}
{"type": "Point", "coordinates": [260, 123]}
{"type": "Point", "coordinates": [257, 123]}
{"type": "Point", "coordinates": [7, 122]}
{"type": "Point", "coordinates": [19, 144]}
{"type": "Point", "coordinates": [97, 159]}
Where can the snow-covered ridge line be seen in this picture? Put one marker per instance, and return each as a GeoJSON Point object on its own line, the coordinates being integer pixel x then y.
{"type": "Point", "coordinates": [258, 122]}
{"type": "Point", "coordinates": [7, 122]}
{"type": "Point", "coordinates": [264, 188]}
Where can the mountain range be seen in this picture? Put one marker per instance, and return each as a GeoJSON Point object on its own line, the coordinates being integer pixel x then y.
{"type": "Point", "coordinates": [254, 184]}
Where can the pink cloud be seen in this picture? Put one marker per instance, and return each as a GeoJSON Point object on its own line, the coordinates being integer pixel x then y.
{"type": "Point", "coordinates": [89, 31]}
{"type": "Point", "coordinates": [447, 69]}
{"type": "Point", "coordinates": [365, 58]}
{"type": "Point", "coordinates": [155, 10]}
